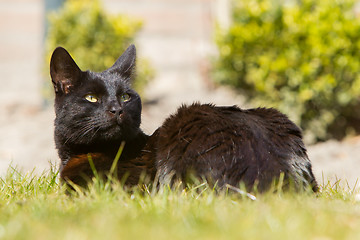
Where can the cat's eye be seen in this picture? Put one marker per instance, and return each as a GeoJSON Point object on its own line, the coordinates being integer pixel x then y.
{"type": "Point", "coordinates": [91, 98]}
{"type": "Point", "coordinates": [125, 97]}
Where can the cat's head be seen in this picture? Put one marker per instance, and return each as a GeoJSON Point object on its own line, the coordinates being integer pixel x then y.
{"type": "Point", "coordinates": [94, 107]}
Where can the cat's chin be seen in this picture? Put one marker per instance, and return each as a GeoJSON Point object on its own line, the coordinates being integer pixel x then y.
{"type": "Point", "coordinates": [111, 133]}
{"type": "Point", "coordinates": [117, 133]}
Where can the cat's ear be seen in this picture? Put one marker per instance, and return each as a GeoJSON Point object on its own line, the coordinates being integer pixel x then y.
{"type": "Point", "coordinates": [125, 64]}
{"type": "Point", "coordinates": [63, 70]}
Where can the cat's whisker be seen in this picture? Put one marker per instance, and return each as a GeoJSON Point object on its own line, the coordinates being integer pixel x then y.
{"type": "Point", "coordinates": [91, 125]}
{"type": "Point", "coordinates": [86, 127]}
{"type": "Point", "coordinates": [96, 131]}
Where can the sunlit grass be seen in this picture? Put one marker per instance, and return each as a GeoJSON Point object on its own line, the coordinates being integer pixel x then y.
{"type": "Point", "coordinates": [37, 207]}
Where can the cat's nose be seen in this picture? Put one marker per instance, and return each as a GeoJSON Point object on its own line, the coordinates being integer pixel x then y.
{"type": "Point", "coordinates": [115, 112]}
{"type": "Point", "coordinates": [114, 108]}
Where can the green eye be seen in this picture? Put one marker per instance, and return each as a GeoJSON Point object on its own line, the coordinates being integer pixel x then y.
{"type": "Point", "coordinates": [125, 97]}
{"type": "Point", "coordinates": [91, 98]}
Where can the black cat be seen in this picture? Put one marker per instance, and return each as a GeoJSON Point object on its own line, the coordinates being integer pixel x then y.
{"type": "Point", "coordinates": [95, 112]}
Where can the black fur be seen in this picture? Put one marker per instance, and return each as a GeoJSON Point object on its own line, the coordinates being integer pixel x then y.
{"type": "Point", "coordinates": [225, 145]}
{"type": "Point", "coordinates": [230, 145]}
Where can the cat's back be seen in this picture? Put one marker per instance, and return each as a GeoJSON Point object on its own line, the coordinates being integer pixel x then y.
{"type": "Point", "coordinates": [203, 124]}
{"type": "Point", "coordinates": [230, 145]}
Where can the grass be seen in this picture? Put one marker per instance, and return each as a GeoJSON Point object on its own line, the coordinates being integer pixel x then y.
{"type": "Point", "coordinates": [36, 207]}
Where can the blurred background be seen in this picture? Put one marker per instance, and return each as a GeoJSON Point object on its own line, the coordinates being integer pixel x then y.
{"type": "Point", "coordinates": [301, 57]}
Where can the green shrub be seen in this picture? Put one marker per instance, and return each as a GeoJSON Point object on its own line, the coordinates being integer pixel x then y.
{"type": "Point", "coordinates": [302, 57]}
{"type": "Point", "coordinates": [95, 38]}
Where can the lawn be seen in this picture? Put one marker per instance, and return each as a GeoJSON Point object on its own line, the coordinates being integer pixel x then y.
{"type": "Point", "coordinates": [37, 207]}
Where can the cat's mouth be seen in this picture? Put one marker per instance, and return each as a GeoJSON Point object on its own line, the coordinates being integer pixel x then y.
{"type": "Point", "coordinates": [114, 125]}
{"type": "Point", "coordinates": [119, 119]}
